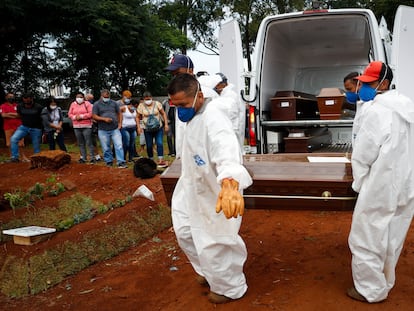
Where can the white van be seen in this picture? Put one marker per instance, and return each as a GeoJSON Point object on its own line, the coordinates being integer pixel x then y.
{"type": "Point", "coordinates": [310, 50]}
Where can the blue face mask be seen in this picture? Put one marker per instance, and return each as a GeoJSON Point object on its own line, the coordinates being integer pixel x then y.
{"type": "Point", "coordinates": [186, 114]}
{"type": "Point", "coordinates": [352, 97]}
{"type": "Point", "coordinates": [366, 92]}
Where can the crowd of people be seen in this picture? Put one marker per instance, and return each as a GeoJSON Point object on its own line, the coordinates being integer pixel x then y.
{"type": "Point", "coordinates": [116, 124]}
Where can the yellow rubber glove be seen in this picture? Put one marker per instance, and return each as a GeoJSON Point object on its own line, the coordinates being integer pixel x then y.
{"type": "Point", "coordinates": [230, 201]}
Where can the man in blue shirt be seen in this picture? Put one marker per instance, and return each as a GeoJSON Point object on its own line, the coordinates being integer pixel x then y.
{"type": "Point", "coordinates": [108, 116]}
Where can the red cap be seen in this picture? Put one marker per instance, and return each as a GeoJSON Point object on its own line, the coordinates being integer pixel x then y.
{"type": "Point", "coordinates": [372, 72]}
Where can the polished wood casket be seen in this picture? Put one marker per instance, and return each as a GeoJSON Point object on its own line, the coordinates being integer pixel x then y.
{"type": "Point", "coordinates": [289, 181]}
{"type": "Point", "coordinates": [292, 105]}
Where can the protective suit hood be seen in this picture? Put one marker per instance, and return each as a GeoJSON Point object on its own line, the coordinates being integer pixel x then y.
{"type": "Point", "coordinates": [209, 81]}
{"type": "Point", "coordinates": [400, 104]}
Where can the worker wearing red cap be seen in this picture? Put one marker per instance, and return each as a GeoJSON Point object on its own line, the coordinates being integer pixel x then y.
{"type": "Point", "coordinates": [383, 171]}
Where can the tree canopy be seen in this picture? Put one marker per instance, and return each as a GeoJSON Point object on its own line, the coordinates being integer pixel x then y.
{"type": "Point", "coordinates": [85, 45]}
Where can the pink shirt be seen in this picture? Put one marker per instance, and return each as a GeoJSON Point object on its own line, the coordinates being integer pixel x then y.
{"type": "Point", "coordinates": [81, 114]}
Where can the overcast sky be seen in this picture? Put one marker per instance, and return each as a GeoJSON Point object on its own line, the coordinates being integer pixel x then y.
{"type": "Point", "coordinates": [203, 62]}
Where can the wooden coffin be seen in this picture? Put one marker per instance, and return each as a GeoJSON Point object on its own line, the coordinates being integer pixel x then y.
{"type": "Point", "coordinates": [330, 102]}
{"type": "Point", "coordinates": [292, 105]}
{"type": "Point", "coordinates": [311, 141]}
{"type": "Point", "coordinates": [288, 181]}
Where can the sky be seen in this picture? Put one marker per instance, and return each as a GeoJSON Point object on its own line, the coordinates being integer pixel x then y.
{"type": "Point", "coordinates": [203, 62]}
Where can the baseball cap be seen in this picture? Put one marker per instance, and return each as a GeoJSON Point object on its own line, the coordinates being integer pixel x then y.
{"type": "Point", "coordinates": [180, 61]}
{"type": "Point", "coordinates": [372, 72]}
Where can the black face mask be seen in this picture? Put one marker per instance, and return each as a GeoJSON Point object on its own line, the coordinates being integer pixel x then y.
{"type": "Point", "coordinates": [10, 99]}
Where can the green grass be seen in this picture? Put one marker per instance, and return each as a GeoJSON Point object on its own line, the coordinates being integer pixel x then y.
{"type": "Point", "coordinates": [21, 277]}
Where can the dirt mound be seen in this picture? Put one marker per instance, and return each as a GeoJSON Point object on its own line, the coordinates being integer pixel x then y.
{"type": "Point", "coordinates": [50, 159]}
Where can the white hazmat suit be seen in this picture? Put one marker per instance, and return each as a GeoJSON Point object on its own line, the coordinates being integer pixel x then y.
{"type": "Point", "coordinates": [210, 153]}
{"type": "Point", "coordinates": [237, 112]}
{"type": "Point", "coordinates": [179, 125]}
{"type": "Point", "coordinates": [383, 171]}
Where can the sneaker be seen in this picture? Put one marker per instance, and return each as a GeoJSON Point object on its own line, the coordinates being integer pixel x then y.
{"type": "Point", "coordinates": [12, 160]}
{"type": "Point", "coordinates": [122, 165]}
{"type": "Point", "coordinates": [109, 164]}
{"type": "Point", "coordinates": [93, 161]}
{"type": "Point", "coordinates": [218, 299]}
{"type": "Point", "coordinates": [162, 163]}
{"type": "Point", "coordinates": [81, 161]}
{"type": "Point", "coordinates": [98, 158]}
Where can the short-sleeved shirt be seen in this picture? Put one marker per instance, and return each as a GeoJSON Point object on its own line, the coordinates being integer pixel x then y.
{"type": "Point", "coordinates": [10, 123]}
{"type": "Point", "coordinates": [106, 110]}
{"type": "Point", "coordinates": [31, 116]}
{"type": "Point", "coordinates": [154, 109]}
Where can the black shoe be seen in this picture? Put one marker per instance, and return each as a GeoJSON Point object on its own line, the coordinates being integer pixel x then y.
{"type": "Point", "coordinates": [122, 165]}
{"type": "Point", "coordinates": [12, 160]}
{"type": "Point", "coordinates": [109, 164]}
{"type": "Point", "coordinates": [93, 161]}
{"type": "Point", "coordinates": [81, 161]}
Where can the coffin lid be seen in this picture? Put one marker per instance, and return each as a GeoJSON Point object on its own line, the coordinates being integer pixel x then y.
{"type": "Point", "coordinates": [330, 92]}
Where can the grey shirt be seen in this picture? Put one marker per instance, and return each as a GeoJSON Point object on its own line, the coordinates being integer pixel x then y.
{"type": "Point", "coordinates": [106, 110]}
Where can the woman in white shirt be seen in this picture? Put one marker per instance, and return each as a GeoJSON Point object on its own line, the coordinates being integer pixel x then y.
{"type": "Point", "coordinates": [129, 128]}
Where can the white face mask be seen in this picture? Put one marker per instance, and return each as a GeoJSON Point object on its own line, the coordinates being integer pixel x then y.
{"type": "Point", "coordinates": [105, 99]}
{"type": "Point", "coordinates": [127, 100]}
{"type": "Point", "coordinates": [148, 102]}
{"type": "Point", "coordinates": [53, 107]}
{"type": "Point", "coordinates": [79, 100]}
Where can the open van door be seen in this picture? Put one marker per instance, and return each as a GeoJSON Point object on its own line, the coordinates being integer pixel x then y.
{"type": "Point", "coordinates": [232, 63]}
{"type": "Point", "coordinates": [403, 50]}
{"type": "Point", "coordinates": [386, 38]}
{"type": "Point", "coordinates": [231, 54]}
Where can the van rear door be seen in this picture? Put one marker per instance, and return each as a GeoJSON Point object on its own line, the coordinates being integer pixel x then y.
{"type": "Point", "coordinates": [232, 63]}
{"type": "Point", "coordinates": [403, 50]}
{"type": "Point", "coordinates": [231, 54]}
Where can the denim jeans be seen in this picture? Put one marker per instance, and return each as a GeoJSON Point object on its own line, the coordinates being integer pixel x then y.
{"type": "Point", "coordinates": [149, 138]}
{"type": "Point", "coordinates": [105, 137]}
{"type": "Point", "coordinates": [21, 132]}
{"type": "Point", "coordinates": [84, 139]}
{"type": "Point", "coordinates": [128, 141]}
{"type": "Point", "coordinates": [60, 140]}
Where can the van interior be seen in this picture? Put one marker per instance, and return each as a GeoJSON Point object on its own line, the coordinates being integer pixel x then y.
{"type": "Point", "coordinates": [306, 54]}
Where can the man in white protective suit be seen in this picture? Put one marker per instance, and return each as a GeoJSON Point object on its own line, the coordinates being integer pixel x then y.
{"type": "Point", "coordinates": [207, 203]}
{"type": "Point", "coordinates": [181, 63]}
{"type": "Point", "coordinates": [237, 109]}
{"type": "Point", "coordinates": [383, 171]}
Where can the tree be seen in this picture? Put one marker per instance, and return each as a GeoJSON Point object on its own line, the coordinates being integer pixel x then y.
{"type": "Point", "coordinates": [195, 19]}
{"type": "Point", "coordinates": [91, 44]}
{"type": "Point", "coordinates": [250, 13]}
